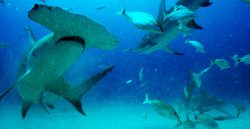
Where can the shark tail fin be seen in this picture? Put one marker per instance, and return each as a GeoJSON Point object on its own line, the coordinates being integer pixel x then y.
{"type": "Point", "coordinates": [205, 3]}
{"type": "Point", "coordinates": [240, 108]}
{"type": "Point", "coordinates": [86, 85]}
{"type": "Point", "coordinates": [211, 62]}
{"type": "Point", "coordinates": [197, 79]}
{"type": "Point", "coordinates": [171, 51]}
{"type": "Point", "coordinates": [236, 60]}
{"type": "Point", "coordinates": [15, 84]}
{"type": "Point", "coordinates": [147, 100]}
{"type": "Point", "coordinates": [193, 25]}
{"type": "Point", "coordinates": [123, 9]}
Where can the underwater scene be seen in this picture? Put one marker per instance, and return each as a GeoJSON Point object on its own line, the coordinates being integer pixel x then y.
{"type": "Point", "coordinates": [124, 64]}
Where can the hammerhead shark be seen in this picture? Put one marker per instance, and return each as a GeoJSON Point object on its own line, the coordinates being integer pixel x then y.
{"type": "Point", "coordinates": [152, 42]}
{"type": "Point", "coordinates": [43, 66]}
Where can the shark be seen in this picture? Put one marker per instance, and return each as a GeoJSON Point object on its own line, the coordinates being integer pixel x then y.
{"type": "Point", "coordinates": [152, 42]}
{"type": "Point", "coordinates": [43, 66]}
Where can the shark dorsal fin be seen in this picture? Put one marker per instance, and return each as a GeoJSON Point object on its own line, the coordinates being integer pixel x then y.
{"type": "Point", "coordinates": [31, 37]}
{"type": "Point", "coordinates": [162, 11]}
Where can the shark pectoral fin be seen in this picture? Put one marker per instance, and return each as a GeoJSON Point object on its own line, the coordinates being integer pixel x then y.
{"type": "Point", "coordinates": [193, 25]}
{"type": "Point", "coordinates": [42, 103]}
{"type": "Point", "coordinates": [78, 105]}
{"type": "Point", "coordinates": [25, 107]}
{"type": "Point", "coordinates": [205, 3]}
{"type": "Point", "coordinates": [86, 85]}
{"type": "Point", "coordinates": [171, 51]}
{"type": "Point", "coordinates": [15, 84]}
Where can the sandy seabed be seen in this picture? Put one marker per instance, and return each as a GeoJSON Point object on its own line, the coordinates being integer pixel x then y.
{"type": "Point", "coordinates": [115, 116]}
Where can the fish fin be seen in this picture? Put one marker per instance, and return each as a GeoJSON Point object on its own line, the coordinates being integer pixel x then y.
{"type": "Point", "coordinates": [205, 3]}
{"type": "Point", "coordinates": [236, 60]}
{"type": "Point", "coordinates": [147, 100]}
{"type": "Point", "coordinates": [160, 27]}
{"type": "Point", "coordinates": [31, 37]}
{"type": "Point", "coordinates": [15, 84]}
{"type": "Point", "coordinates": [197, 79]}
{"type": "Point", "coordinates": [169, 50]}
{"type": "Point", "coordinates": [193, 25]}
{"type": "Point", "coordinates": [61, 88]}
{"type": "Point", "coordinates": [223, 111]}
{"type": "Point", "coordinates": [123, 9]}
{"type": "Point", "coordinates": [25, 107]}
{"type": "Point", "coordinates": [42, 103]}
{"type": "Point", "coordinates": [211, 63]}
{"type": "Point", "coordinates": [162, 11]}
{"type": "Point", "coordinates": [86, 85]}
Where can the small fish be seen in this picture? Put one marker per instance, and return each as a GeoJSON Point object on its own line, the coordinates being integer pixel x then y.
{"type": "Point", "coordinates": [101, 7]}
{"type": "Point", "coordinates": [165, 110]}
{"type": "Point", "coordinates": [181, 15]}
{"type": "Point", "coordinates": [197, 45]}
{"type": "Point", "coordinates": [141, 74]}
{"type": "Point", "coordinates": [245, 59]}
{"type": "Point", "coordinates": [207, 121]}
{"type": "Point", "coordinates": [129, 81]}
{"type": "Point", "coordinates": [188, 124]}
{"type": "Point", "coordinates": [4, 45]}
{"type": "Point", "coordinates": [142, 20]}
{"type": "Point", "coordinates": [143, 84]}
{"type": "Point", "coordinates": [222, 63]}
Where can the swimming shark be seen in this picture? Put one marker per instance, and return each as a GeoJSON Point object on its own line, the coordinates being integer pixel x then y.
{"type": "Point", "coordinates": [42, 68]}
{"type": "Point", "coordinates": [152, 42]}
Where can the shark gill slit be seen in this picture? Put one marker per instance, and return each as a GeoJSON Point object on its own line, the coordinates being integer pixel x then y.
{"type": "Point", "coordinates": [74, 39]}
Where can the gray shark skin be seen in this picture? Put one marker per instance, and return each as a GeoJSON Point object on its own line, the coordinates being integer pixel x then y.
{"type": "Point", "coordinates": [50, 57]}
{"type": "Point", "coordinates": [152, 42]}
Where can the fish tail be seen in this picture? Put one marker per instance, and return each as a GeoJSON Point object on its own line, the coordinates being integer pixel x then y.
{"type": "Point", "coordinates": [236, 60]}
{"type": "Point", "coordinates": [147, 100]}
{"type": "Point", "coordinates": [211, 62]}
{"type": "Point", "coordinates": [123, 9]}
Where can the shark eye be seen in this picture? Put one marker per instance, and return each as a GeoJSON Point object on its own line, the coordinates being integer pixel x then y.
{"type": "Point", "coordinates": [36, 7]}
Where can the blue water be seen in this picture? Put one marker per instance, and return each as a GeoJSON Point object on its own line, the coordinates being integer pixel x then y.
{"type": "Point", "coordinates": [226, 33]}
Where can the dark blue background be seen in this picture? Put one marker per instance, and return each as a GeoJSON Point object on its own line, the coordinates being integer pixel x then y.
{"type": "Point", "coordinates": [226, 32]}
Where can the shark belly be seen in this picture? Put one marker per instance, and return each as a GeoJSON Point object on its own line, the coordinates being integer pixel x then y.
{"type": "Point", "coordinates": [48, 67]}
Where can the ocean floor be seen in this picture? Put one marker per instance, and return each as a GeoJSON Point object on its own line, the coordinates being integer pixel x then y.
{"type": "Point", "coordinates": [113, 116]}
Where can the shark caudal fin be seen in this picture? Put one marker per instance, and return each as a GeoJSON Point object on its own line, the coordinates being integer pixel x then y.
{"type": "Point", "coordinates": [162, 11]}
{"type": "Point", "coordinates": [171, 51]}
{"type": "Point", "coordinates": [197, 80]}
{"type": "Point", "coordinates": [147, 100]}
{"type": "Point", "coordinates": [236, 60]}
{"type": "Point", "coordinates": [73, 25]}
{"type": "Point", "coordinates": [88, 84]}
{"type": "Point", "coordinates": [123, 9]}
{"type": "Point", "coordinates": [205, 3]}
{"type": "Point", "coordinates": [193, 25]}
